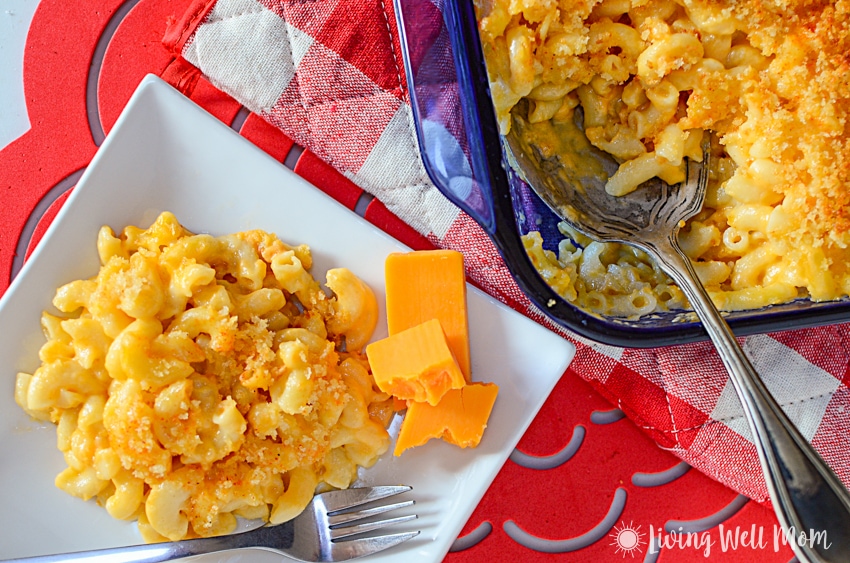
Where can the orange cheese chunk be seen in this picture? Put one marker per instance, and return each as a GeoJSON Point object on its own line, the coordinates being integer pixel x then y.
{"type": "Point", "coordinates": [415, 364]}
{"type": "Point", "coordinates": [428, 284]}
{"type": "Point", "coordinates": [459, 418]}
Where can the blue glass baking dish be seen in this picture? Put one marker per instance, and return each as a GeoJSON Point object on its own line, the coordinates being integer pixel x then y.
{"type": "Point", "coordinates": [463, 154]}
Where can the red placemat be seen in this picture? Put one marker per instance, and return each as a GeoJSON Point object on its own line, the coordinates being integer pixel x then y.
{"type": "Point", "coordinates": [582, 473]}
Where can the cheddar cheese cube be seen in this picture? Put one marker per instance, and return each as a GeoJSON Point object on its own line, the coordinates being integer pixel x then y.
{"type": "Point", "coordinates": [415, 364]}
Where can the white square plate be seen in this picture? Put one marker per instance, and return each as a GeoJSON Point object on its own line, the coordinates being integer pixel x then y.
{"type": "Point", "coordinates": [166, 153]}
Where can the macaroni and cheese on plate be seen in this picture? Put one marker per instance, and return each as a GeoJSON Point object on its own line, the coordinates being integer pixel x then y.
{"type": "Point", "coordinates": [196, 378]}
{"type": "Point", "coordinates": [769, 82]}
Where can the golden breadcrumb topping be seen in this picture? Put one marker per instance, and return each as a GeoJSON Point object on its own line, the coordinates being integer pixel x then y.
{"type": "Point", "coordinates": [768, 80]}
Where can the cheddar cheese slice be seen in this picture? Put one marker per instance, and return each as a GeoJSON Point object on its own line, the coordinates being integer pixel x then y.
{"type": "Point", "coordinates": [428, 284]}
{"type": "Point", "coordinates": [415, 364]}
{"type": "Point", "coordinates": [459, 418]}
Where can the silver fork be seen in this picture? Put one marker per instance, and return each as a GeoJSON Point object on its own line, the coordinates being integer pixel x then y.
{"type": "Point", "coordinates": [322, 532]}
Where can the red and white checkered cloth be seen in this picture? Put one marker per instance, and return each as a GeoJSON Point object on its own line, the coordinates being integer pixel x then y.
{"type": "Point", "coordinates": [329, 75]}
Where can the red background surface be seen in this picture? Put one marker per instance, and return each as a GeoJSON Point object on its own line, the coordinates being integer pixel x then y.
{"type": "Point", "coordinates": [82, 62]}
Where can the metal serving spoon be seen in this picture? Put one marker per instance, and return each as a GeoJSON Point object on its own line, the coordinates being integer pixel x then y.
{"type": "Point", "coordinates": [808, 498]}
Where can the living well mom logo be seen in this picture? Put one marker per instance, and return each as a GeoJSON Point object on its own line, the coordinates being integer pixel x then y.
{"type": "Point", "coordinates": [634, 540]}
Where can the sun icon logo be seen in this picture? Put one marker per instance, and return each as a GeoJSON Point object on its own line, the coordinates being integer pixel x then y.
{"type": "Point", "coordinates": [627, 538]}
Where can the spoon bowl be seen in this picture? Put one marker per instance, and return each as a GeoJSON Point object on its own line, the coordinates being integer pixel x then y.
{"type": "Point", "coordinates": [570, 178]}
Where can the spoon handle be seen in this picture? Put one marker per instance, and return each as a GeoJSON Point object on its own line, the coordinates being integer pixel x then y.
{"type": "Point", "coordinates": [811, 504]}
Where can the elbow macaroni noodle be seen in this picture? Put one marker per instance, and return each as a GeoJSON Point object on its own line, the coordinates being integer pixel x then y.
{"type": "Point", "coordinates": [769, 81]}
{"type": "Point", "coordinates": [200, 378]}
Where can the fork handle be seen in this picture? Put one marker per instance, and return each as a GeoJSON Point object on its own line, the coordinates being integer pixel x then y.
{"type": "Point", "coordinates": [807, 496]}
{"type": "Point", "coordinates": [166, 551]}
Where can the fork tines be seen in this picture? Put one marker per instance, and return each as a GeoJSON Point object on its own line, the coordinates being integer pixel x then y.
{"type": "Point", "coordinates": [334, 501]}
{"type": "Point", "coordinates": [343, 522]}
{"type": "Point", "coordinates": [339, 530]}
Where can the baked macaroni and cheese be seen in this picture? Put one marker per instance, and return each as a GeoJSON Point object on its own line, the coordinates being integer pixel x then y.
{"type": "Point", "coordinates": [769, 81]}
{"type": "Point", "coordinates": [196, 378]}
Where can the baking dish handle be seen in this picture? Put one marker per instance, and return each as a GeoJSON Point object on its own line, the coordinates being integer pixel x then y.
{"type": "Point", "coordinates": [459, 137]}
{"type": "Point", "coordinates": [451, 142]}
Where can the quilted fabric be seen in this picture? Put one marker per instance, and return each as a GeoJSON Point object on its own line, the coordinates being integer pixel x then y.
{"type": "Point", "coordinates": [329, 75]}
